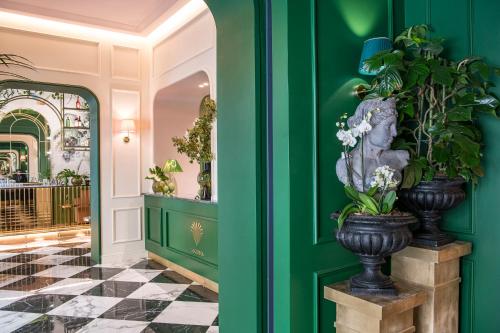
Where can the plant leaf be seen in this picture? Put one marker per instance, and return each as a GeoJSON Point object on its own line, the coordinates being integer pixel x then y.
{"type": "Point", "coordinates": [388, 202]}
{"type": "Point", "coordinates": [460, 114]}
{"type": "Point", "coordinates": [390, 80]}
{"type": "Point", "coordinates": [351, 193]}
{"type": "Point", "coordinates": [371, 192]}
{"type": "Point", "coordinates": [369, 203]}
{"type": "Point", "coordinates": [348, 210]}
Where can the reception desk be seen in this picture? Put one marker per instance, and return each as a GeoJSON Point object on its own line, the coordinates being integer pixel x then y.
{"type": "Point", "coordinates": [183, 232]}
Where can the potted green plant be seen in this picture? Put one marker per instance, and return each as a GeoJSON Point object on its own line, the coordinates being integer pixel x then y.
{"type": "Point", "coordinates": [439, 101]}
{"type": "Point", "coordinates": [65, 175]}
{"type": "Point", "coordinates": [162, 183]}
{"type": "Point", "coordinates": [77, 179]}
{"type": "Point", "coordinates": [369, 226]}
{"type": "Point", "coordinates": [196, 145]}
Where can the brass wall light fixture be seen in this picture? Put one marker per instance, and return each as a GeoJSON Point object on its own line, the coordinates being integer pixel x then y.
{"type": "Point", "coordinates": [127, 127]}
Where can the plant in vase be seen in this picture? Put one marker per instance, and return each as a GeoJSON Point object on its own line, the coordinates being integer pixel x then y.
{"type": "Point", "coordinates": [439, 102]}
{"type": "Point", "coordinates": [162, 184]}
{"type": "Point", "coordinates": [196, 145]}
{"type": "Point", "coordinates": [65, 175]}
{"type": "Point", "coordinates": [369, 226]}
{"type": "Point", "coordinates": [170, 168]}
{"type": "Point", "coordinates": [77, 180]}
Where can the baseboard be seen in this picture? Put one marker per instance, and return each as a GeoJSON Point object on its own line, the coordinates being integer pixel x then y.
{"type": "Point", "coordinates": [209, 284]}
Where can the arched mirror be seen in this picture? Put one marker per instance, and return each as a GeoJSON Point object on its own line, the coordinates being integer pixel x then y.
{"type": "Point", "coordinates": [44, 161]}
{"type": "Point", "coordinates": [177, 108]}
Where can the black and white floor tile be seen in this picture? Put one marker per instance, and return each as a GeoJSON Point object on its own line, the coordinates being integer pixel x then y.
{"type": "Point", "coordinates": [57, 288]}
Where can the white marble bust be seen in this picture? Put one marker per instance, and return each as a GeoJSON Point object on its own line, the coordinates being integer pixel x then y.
{"type": "Point", "coordinates": [377, 144]}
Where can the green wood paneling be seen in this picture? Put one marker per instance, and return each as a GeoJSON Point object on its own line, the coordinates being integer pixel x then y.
{"type": "Point", "coordinates": [240, 156]}
{"type": "Point", "coordinates": [316, 45]}
{"type": "Point", "coordinates": [472, 28]}
{"type": "Point", "coordinates": [155, 225]}
{"type": "Point", "coordinates": [184, 232]}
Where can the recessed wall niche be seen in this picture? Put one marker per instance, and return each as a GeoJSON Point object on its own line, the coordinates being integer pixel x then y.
{"type": "Point", "coordinates": [175, 109]}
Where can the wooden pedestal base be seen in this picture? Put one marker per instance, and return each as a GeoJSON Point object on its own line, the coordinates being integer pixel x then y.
{"type": "Point", "coordinates": [375, 314]}
{"type": "Point", "coordinates": [437, 271]}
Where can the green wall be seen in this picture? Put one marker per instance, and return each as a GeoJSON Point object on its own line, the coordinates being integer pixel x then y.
{"type": "Point", "coordinates": [317, 47]}
{"type": "Point", "coordinates": [473, 28]}
{"type": "Point", "coordinates": [240, 157]}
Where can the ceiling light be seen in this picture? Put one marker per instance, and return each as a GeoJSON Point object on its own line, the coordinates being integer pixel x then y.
{"type": "Point", "coordinates": [188, 12]}
{"type": "Point", "coordinates": [36, 24]}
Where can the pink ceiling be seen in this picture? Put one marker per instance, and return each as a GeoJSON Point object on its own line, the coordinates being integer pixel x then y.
{"type": "Point", "coordinates": [126, 15]}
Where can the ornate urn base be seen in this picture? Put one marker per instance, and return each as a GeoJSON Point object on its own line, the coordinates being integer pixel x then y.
{"type": "Point", "coordinates": [372, 238]}
{"type": "Point", "coordinates": [428, 200]}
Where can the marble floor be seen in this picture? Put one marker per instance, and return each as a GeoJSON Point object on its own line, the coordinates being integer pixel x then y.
{"type": "Point", "coordinates": [57, 288]}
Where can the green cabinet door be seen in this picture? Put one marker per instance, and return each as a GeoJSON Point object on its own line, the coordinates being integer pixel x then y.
{"type": "Point", "coordinates": [473, 28]}
{"type": "Point", "coordinates": [184, 232]}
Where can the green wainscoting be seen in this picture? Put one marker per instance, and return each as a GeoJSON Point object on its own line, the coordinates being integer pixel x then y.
{"type": "Point", "coordinates": [472, 28]}
{"type": "Point", "coordinates": [184, 232]}
{"type": "Point", "coordinates": [316, 48]}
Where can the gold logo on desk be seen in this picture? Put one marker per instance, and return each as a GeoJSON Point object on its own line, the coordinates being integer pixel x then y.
{"type": "Point", "coordinates": [197, 231]}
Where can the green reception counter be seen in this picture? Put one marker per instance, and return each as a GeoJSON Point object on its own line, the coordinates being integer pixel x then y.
{"type": "Point", "coordinates": [184, 232]}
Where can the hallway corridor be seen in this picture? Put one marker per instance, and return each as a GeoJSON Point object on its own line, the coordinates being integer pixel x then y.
{"type": "Point", "coordinates": [57, 288]}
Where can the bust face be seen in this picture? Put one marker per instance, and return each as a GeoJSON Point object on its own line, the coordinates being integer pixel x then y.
{"type": "Point", "coordinates": [383, 134]}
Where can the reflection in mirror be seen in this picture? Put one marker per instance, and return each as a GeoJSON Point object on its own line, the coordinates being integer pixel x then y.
{"type": "Point", "coordinates": [176, 108]}
{"type": "Point", "coordinates": [44, 161]}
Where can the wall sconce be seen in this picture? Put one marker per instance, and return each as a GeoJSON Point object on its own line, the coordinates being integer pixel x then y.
{"type": "Point", "coordinates": [370, 48]}
{"type": "Point", "coordinates": [127, 127]}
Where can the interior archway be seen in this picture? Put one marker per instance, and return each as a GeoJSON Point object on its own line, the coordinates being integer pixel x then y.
{"type": "Point", "coordinates": [92, 105]}
{"type": "Point", "coordinates": [175, 109]}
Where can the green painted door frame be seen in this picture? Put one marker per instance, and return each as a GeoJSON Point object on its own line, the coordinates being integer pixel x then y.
{"type": "Point", "coordinates": [240, 161]}
{"type": "Point", "coordinates": [93, 102]}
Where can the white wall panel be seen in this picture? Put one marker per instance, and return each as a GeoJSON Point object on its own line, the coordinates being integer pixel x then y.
{"type": "Point", "coordinates": [51, 52]}
{"type": "Point", "coordinates": [194, 39]}
{"type": "Point", "coordinates": [125, 63]}
{"type": "Point", "coordinates": [127, 225]}
{"type": "Point", "coordinates": [126, 156]}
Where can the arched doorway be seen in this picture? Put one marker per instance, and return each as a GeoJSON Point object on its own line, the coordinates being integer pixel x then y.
{"type": "Point", "coordinates": [93, 128]}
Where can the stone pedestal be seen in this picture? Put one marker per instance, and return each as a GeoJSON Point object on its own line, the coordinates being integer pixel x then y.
{"type": "Point", "coordinates": [437, 271]}
{"type": "Point", "coordinates": [375, 314]}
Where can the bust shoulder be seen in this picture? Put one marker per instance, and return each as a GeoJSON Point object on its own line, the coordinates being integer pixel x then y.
{"type": "Point", "coordinates": [395, 158]}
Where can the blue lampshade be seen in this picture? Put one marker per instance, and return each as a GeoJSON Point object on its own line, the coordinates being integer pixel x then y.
{"type": "Point", "coordinates": [370, 48]}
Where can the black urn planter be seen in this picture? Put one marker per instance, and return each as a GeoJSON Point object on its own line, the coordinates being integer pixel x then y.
{"type": "Point", "coordinates": [372, 238]}
{"type": "Point", "coordinates": [428, 200]}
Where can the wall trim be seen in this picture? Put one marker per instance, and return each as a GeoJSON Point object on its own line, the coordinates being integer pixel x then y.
{"type": "Point", "coordinates": [137, 136]}
{"type": "Point", "coordinates": [140, 232]}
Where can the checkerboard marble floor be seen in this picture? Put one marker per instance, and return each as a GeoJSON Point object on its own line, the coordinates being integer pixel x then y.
{"type": "Point", "coordinates": [58, 288]}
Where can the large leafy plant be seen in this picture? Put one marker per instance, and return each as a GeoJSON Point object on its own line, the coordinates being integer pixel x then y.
{"type": "Point", "coordinates": [196, 143]}
{"type": "Point", "coordinates": [439, 101]}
